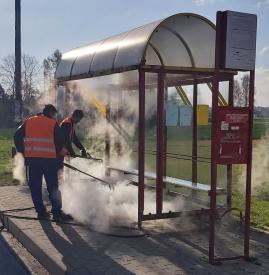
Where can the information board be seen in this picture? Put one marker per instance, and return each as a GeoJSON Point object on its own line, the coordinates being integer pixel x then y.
{"type": "Point", "coordinates": [232, 135]}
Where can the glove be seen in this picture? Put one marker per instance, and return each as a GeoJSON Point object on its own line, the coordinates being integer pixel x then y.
{"type": "Point", "coordinates": [83, 153]}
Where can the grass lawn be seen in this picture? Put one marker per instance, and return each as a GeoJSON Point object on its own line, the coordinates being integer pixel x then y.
{"type": "Point", "coordinates": [259, 209]}
{"type": "Point", "coordinates": [5, 157]}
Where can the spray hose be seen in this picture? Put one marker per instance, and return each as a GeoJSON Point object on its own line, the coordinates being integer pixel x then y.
{"type": "Point", "coordinates": [8, 214]}
{"type": "Point", "coordinates": [89, 157]}
{"type": "Point", "coordinates": [87, 174]}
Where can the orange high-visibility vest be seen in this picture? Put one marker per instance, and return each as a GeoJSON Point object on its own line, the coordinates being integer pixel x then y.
{"type": "Point", "coordinates": [69, 121]}
{"type": "Point", "coordinates": [39, 137]}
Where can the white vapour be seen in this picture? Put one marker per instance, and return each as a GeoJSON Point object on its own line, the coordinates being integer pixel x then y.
{"type": "Point", "coordinates": [94, 204]}
{"type": "Point", "coordinates": [260, 164]}
{"type": "Point", "coordinates": [260, 167]}
{"type": "Point", "coordinates": [89, 201]}
{"type": "Point", "coordinates": [19, 168]}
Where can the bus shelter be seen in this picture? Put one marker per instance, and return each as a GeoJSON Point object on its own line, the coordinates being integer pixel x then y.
{"type": "Point", "coordinates": [182, 50]}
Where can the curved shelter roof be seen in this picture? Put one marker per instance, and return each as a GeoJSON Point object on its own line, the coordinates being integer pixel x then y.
{"type": "Point", "coordinates": [180, 41]}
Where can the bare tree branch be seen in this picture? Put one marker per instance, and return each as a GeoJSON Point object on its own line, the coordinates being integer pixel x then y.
{"type": "Point", "coordinates": [30, 76]}
{"type": "Point", "coordinates": [241, 91]}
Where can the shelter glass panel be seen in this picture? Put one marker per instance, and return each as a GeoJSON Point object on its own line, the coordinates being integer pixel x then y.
{"type": "Point", "coordinates": [151, 84]}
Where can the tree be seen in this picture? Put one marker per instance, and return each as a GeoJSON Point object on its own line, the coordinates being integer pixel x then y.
{"type": "Point", "coordinates": [49, 67]}
{"type": "Point", "coordinates": [7, 71]}
{"type": "Point", "coordinates": [30, 76]}
{"type": "Point", "coordinates": [241, 91]}
{"type": "Point", "coordinates": [30, 79]}
{"type": "Point", "coordinates": [6, 109]}
{"type": "Point", "coordinates": [50, 64]}
{"type": "Point", "coordinates": [245, 88]}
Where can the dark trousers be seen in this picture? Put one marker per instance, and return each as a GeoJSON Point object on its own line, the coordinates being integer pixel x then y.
{"type": "Point", "coordinates": [37, 168]}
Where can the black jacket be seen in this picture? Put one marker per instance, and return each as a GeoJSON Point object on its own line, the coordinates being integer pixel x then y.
{"type": "Point", "coordinates": [66, 129]}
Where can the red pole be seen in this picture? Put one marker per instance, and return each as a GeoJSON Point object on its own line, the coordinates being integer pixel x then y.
{"type": "Point", "coordinates": [67, 101]}
{"type": "Point", "coordinates": [231, 92]}
{"type": "Point", "coordinates": [215, 89]}
{"type": "Point", "coordinates": [165, 136]}
{"type": "Point", "coordinates": [249, 164]}
{"type": "Point", "coordinates": [107, 138]}
{"type": "Point", "coordinates": [141, 147]}
{"type": "Point", "coordinates": [118, 143]}
{"type": "Point", "coordinates": [229, 166]}
{"type": "Point", "coordinates": [194, 137]}
{"type": "Point", "coordinates": [160, 144]}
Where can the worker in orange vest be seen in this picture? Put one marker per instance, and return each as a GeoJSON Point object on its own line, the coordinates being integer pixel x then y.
{"type": "Point", "coordinates": [67, 126]}
{"type": "Point", "coordinates": [40, 140]}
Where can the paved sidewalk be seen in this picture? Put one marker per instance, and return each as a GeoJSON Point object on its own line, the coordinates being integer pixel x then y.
{"type": "Point", "coordinates": [176, 249]}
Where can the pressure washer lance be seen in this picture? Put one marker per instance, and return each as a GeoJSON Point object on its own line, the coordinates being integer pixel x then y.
{"type": "Point", "coordinates": [89, 157]}
{"type": "Point", "coordinates": [89, 175]}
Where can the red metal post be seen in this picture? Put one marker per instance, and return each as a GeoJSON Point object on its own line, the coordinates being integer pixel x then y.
{"type": "Point", "coordinates": [231, 92]}
{"type": "Point", "coordinates": [118, 143]}
{"type": "Point", "coordinates": [67, 101]}
{"type": "Point", "coordinates": [165, 136]}
{"type": "Point", "coordinates": [249, 164]}
{"type": "Point", "coordinates": [107, 137]}
{"type": "Point", "coordinates": [229, 166]}
{"type": "Point", "coordinates": [160, 144]}
{"type": "Point", "coordinates": [215, 91]}
{"type": "Point", "coordinates": [141, 147]}
{"type": "Point", "coordinates": [194, 137]}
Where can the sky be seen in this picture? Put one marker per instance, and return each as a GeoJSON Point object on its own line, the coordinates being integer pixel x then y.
{"type": "Point", "coordinates": [64, 24]}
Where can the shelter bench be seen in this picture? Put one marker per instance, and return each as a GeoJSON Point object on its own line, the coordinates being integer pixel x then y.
{"type": "Point", "coordinates": [169, 180]}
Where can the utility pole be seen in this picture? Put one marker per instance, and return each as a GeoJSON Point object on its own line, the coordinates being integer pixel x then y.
{"type": "Point", "coordinates": [18, 94]}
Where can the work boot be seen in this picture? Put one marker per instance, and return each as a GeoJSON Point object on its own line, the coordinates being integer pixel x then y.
{"type": "Point", "coordinates": [61, 216]}
{"type": "Point", "coordinates": [43, 216]}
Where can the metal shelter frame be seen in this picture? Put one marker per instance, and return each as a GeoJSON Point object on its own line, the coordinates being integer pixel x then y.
{"type": "Point", "coordinates": [188, 76]}
{"type": "Point", "coordinates": [161, 152]}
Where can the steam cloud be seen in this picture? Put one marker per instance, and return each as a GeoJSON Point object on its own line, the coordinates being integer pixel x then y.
{"type": "Point", "coordinates": [19, 168]}
{"type": "Point", "coordinates": [87, 200]}
{"type": "Point", "coordinates": [260, 166]}
{"type": "Point", "coordinates": [90, 202]}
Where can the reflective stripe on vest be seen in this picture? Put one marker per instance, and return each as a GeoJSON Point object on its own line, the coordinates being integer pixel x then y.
{"type": "Point", "coordinates": [69, 121]}
{"type": "Point", "coordinates": [38, 149]}
{"type": "Point", "coordinates": [39, 137]}
{"type": "Point", "coordinates": [45, 140]}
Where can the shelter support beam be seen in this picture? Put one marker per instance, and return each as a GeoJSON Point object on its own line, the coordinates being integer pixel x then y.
{"type": "Point", "coordinates": [141, 146]}
{"type": "Point", "coordinates": [229, 166]}
{"type": "Point", "coordinates": [194, 137]}
{"type": "Point", "coordinates": [215, 93]}
{"type": "Point", "coordinates": [107, 137]}
{"type": "Point", "coordinates": [249, 165]}
{"type": "Point", "coordinates": [118, 143]}
{"type": "Point", "coordinates": [165, 134]}
{"type": "Point", "coordinates": [67, 100]}
{"type": "Point", "coordinates": [160, 143]}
